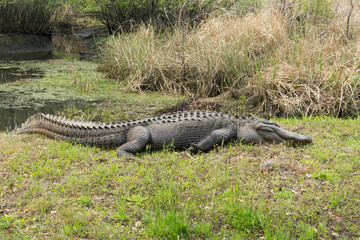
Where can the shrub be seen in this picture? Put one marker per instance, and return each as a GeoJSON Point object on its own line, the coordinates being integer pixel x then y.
{"type": "Point", "coordinates": [123, 15]}
{"type": "Point", "coordinates": [30, 17]}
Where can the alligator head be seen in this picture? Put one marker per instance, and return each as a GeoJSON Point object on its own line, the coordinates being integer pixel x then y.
{"type": "Point", "coordinates": [264, 131]}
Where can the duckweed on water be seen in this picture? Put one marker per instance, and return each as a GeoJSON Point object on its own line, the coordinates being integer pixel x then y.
{"type": "Point", "coordinates": [70, 88]}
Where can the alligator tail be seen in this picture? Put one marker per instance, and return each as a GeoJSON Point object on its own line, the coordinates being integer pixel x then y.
{"type": "Point", "coordinates": [86, 133]}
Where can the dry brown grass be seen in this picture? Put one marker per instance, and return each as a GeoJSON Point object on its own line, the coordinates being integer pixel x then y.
{"type": "Point", "coordinates": [313, 70]}
{"type": "Point", "coordinates": [311, 78]}
{"type": "Point", "coordinates": [314, 73]}
{"type": "Point", "coordinates": [205, 62]}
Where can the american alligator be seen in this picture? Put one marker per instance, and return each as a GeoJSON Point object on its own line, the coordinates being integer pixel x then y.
{"type": "Point", "coordinates": [193, 131]}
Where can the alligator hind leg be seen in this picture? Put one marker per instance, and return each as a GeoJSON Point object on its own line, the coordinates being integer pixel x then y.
{"type": "Point", "coordinates": [136, 140]}
{"type": "Point", "coordinates": [215, 137]}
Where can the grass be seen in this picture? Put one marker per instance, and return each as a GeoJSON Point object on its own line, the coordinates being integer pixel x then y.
{"type": "Point", "coordinates": [59, 190]}
{"type": "Point", "coordinates": [295, 62]}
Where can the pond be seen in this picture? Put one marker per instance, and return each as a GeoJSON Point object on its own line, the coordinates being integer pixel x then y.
{"type": "Point", "coordinates": [13, 74]}
{"type": "Point", "coordinates": [17, 104]}
{"type": "Point", "coordinates": [12, 117]}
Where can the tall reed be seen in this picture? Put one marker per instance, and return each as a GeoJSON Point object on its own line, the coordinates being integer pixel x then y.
{"type": "Point", "coordinates": [220, 54]}
{"type": "Point", "coordinates": [276, 65]}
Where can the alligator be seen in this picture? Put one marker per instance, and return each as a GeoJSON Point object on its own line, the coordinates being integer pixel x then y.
{"type": "Point", "coordinates": [190, 130]}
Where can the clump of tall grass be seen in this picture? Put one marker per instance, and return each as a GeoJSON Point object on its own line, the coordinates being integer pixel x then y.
{"type": "Point", "coordinates": [316, 71]}
{"type": "Point", "coordinates": [221, 54]}
{"type": "Point", "coordinates": [279, 66]}
{"type": "Point", "coordinates": [311, 76]}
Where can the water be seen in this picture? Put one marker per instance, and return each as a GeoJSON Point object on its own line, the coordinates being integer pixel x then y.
{"type": "Point", "coordinates": [24, 56]}
{"type": "Point", "coordinates": [17, 105]}
{"type": "Point", "coordinates": [13, 116]}
{"type": "Point", "coordinates": [14, 74]}
{"type": "Point", "coordinates": [81, 44]}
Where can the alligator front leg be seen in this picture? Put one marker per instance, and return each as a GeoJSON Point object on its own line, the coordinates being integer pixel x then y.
{"type": "Point", "coordinates": [136, 140]}
{"type": "Point", "coordinates": [215, 137]}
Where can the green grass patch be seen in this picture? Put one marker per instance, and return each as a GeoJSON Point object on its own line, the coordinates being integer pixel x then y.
{"type": "Point", "coordinates": [60, 190]}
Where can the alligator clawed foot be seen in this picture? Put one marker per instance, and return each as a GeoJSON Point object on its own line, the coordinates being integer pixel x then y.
{"type": "Point", "coordinates": [194, 148]}
{"type": "Point", "coordinates": [126, 156]}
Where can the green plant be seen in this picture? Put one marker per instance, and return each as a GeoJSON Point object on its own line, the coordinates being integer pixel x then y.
{"type": "Point", "coordinates": [244, 219]}
{"type": "Point", "coordinates": [169, 225]}
{"type": "Point", "coordinates": [315, 12]}
{"type": "Point", "coordinates": [85, 201]}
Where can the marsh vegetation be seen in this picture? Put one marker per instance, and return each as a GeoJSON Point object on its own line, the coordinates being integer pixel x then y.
{"type": "Point", "coordinates": [299, 59]}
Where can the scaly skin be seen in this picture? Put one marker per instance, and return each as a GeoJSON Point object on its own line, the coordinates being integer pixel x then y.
{"type": "Point", "coordinates": [193, 131]}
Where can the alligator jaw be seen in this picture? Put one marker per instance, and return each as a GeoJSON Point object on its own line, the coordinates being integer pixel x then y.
{"type": "Point", "coordinates": [272, 133]}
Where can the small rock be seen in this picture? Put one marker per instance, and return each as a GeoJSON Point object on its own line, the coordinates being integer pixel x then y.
{"type": "Point", "coordinates": [137, 224]}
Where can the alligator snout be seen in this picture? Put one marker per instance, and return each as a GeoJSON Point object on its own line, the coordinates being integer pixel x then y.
{"type": "Point", "coordinates": [272, 133]}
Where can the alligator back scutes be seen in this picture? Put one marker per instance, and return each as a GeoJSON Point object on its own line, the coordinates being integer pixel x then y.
{"type": "Point", "coordinates": [180, 116]}
{"type": "Point", "coordinates": [43, 120]}
{"type": "Point", "coordinates": [165, 118]}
